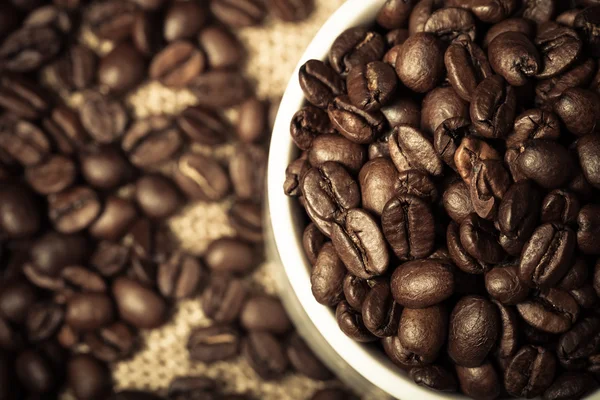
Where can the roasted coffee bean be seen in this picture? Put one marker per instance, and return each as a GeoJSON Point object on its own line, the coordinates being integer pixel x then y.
{"type": "Point", "coordinates": [411, 149]}
{"type": "Point", "coordinates": [588, 222]}
{"type": "Point", "coordinates": [183, 20]}
{"type": "Point", "coordinates": [489, 183]}
{"type": "Point", "coordinates": [328, 275]}
{"type": "Point", "coordinates": [479, 238]}
{"type": "Point", "coordinates": [121, 69]}
{"type": "Point", "coordinates": [579, 75]}
{"type": "Point", "coordinates": [416, 183]}
{"type": "Point", "coordinates": [157, 196]}
{"type": "Point", "coordinates": [230, 255]}
{"type": "Point", "coordinates": [467, 66]}
{"type": "Point", "coordinates": [313, 241]}
{"type": "Point", "coordinates": [380, 313]}
{"type": "Point", "coordinates": [265, 354]}
{"type": "Point", "coordinates": [201, 178]}
{"type": "Point", "coordinates": [239, 13]}
{"type": "Point", "coordinates": [504, 285]}
{"type": "Point", "coordinates": [76, 69]}
{"type": "Point", "coordinates": [408, 226]}
{"type": "Point", "coordinates": [178, 64]}
{"type": "Point", "coordinates": [196, 387]}
{"type": "Point", "coordinates": [43, 321]}
{"type": "Point", "coordinates": [73, 210]}
{"type": "Point", "coordinates": [16, 299]}
{"type": "Point", "coordinates": [360, 244]}
{"type": "Point", "coordinates": [220, 89]}
{"type": "Point", "coordinates": [534, 124]}
{"type": "Point", "coordinates": [420, 15]}
{"type": "Point", "coordinates": [66, 130]}
{"type": "Point", "coordinates": [138, 305]}
{"type": "Point", "coordinates": [395, 13]}
{"type": "Point", "coordinates": [403, 111]}
{"type": "Point", "coordinates": [515, 57]}
{"type": "Point", "coordinates": [114, 220]}
{"type": "Point", "coordinates": [29, 48]}
{"type": "Point", "coordinates": [23, 141]}
{"type": "Point", "coordinates": [213, 343]}
{"type": "Point", "coordinates": [355, 47]}
{"type": "Point", "coordinates": [571, 385]}
{"type": "Point", "coordinates": [89, 311]}
{"type": "Point", "coordinates": [399, 355]}
{"type": "Point", "coordinates": [53, 176]}
{"type": "Point", "coordinates": [474, 328]}
{"type": "Point", "coordinates": [88, 378]}
{"type": "Point", "coordinates": [320, 83]}
{"type": "Point", "coordinates": [508, 341]}
{"type": "Point", "coordinates": [554, 311]}
{"type": "Point", "coordinates": [247, 172]}
{"type": "Point", "coordinates": [54, 251]}
{"type": "Point", "coordinates": [579, 110]}
{"type": "Point", "coordinates": [149, 242]}
{"type": "Point", "coordinates": [439, 105]}
{"type": "Point", "coordinates": [488, 11]}
{"type": "Point", "coordinates": [251, 122]}
{"type": "Point", "coordinates": [470, 152]}
{"type": "Point", "coordinates": [434, 377]}
{"type": "Point", "coordinates": [35, 372]}
{"type": "Point", "coordinates": [223, 299]}
{"type": "Point", "coordinates": [355, 291]}
{"type": "Point", "coordinates": [78, 279]}
{"type": "Point", "coordinates": [104, 167]}
{"type": "Point", "coordinates": [586, 23]}
{"type": "Point", "coordinates": [547, 255]}
{"type": "Point", "coordinates": [353, 123]}
{"type": "Point", "coordinates": [351, 323]}
{"type": "Point", "coordinates": [545, 162]}
{"type": "Point", "coordinates": [559, 47]}
{"type": "Point", "coordinates": [264, 313]}
{"type": "Point", "coordinates": [579, 343]}
{"type": "Point", "coordinates": [19, 211]}
{"type": "Point", "coordinates": [246, 219]}
{"type": "Point", "coordinates": [493, 107]}
{"type": "Point", "coordinates": [372, 85]}
{"type": "Point", "coordinates": [481, 382]}
{"type": "Point", "coordinates": [203, 126]}
{"type": "Point", "coordinates": [450, 23]}
{"type": "Point", "coordinates": [111, 343]}
{"type": "Point", "coordinates": [23, 97]}
{"type": "Point", "coordinates": [180, 276]}
{"type": "Point", "coordinates": [517, 216]}
{"type": "Point", "coordinates": [521, 25]}
{"type": "Point", "coordinates": [329, 147]}
{"type": "Point", "coordinates": [422, 283]}
{"type": "Point", "coordinates": [291, 10]}
{"type": "Point", "coordinates": [561, 207]}
{"type": "Point", "coordinates": [221, 47]}
{"type": "Point", "coordinates": [144, 35]}
{"type": "Point", "coordinates": [457, 202]}
{"type": "Point", "coordinates": [111, 19]}
{"type": "Point", "coordinates": [377, 180]}
{"type": "Point", "coordinates": [392, 54]}
{"type": "Point", "coordinates": [307, 124]}
{"type": "Point", "coordinates": [304, 361]}
{"type": "Point", "coordinates": [425, 75]}
{"type": "Point", "coordinates": [530, 372]}
{"type": "Point", "coordinates": [151, 141]}
{"type": "Point", "coordinates": [422, 332]}
{"type": "Point", "coordinates": [104, 118]}
{"type": "Point", "coordinates": [576, 277]}
{"type": "Point", "coordinates": [588, 150]}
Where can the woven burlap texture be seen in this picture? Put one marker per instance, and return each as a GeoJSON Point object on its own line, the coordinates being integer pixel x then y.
{"type": "Point", "coordinates": [273, 51]}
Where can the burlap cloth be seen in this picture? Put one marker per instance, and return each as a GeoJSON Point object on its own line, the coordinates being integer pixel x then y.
{"type": "Point", "coordinates": [273, 51]}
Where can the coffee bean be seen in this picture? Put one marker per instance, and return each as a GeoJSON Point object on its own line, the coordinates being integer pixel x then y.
{"type": "Point", "coordinates": [371, 86]}
{"type": "Point", "coordinates": [251, 122]}
{"type": "Point", "coordinates": [504, 285]}
{"type": "Point", "coordinates": [353, 123]}
{"type": "Point", "coordinates": [183, 20]}
{"type": "Point", "coordinates": [586, 23]}
{"type": "Point", "coordinates": [588, 221]}
{"type": "Point", "coordinates": [547, 255]}
{"type": "Point", "coordinates": [481, 382]}
{"type": "Point", "coordinates": [580, 74]}
{"type": "Point", "coordinates": [559, 47]}
{"type": "Point", "coordinates": [203, 126]}
{"type": "Point", "coordinates": [328, 276]}
{"type": "Point", "coordinates": [515, 57]}
{"type": "Point", "coordinates": [265, 354]}
{"type": "Point", "coordinates": [422, 283]}
{"type": "Point", "coordinates": [561, 207]}
{"type": "Point", "coordinates": [320, 83]}
{"type": "Point", "coordinates": [144, 35]}
{"type": "Point", "coordinates": [294, 174]}
{"type": "Point", "coordinates": [508, 341]}
{"type": "Point", "coordinates": [488, 11]}
{"type": "Point", "coordinates": [457, 201]}
{"type": "Point", "coordinates": [29, 48]}
{"type": "Point", "coordinates": [201, 178]}
{"type": "Point", "coordinates": [467, 66]}
{"type": "Point", "coordinates": [571, 385]}
{"type": "Point", "coordinates": [109, 258]}
{"type": "Point", "coordinates": [104, 118]}
{"type": "Point", "coordinates": [111, 19]}
{"type": "Point", "coordinates": [554, 312]}
{"type": "Point", "coordinates": [377, 179]}
{"type": "Point", "coordinates": [557, 163]}
{"type": "Point", "coordinates": [493, 107]}
{"type": "Point", "coordinates": [76, 69]}
{"type": "Point", "coordinates": [157, 196]}
{"type": "Point", "coordinates": [291, 10]}
{"type": "Point", "coordinates": [230, 255]}
{"type": "Point", "coordinates": [336, 148]}
{"type": "Point", "coordinates": [178, 64]}
{"type": "Point", "coordinates": [355, 291]}
{"type": "Point", "coordinates": [521, 25]}
{"type": "Point", "coordinates": [213, 343]}
{"type": "Point", "coordinates": [578, 344]}
{"type": "Point", "coordinates": [351, 323]}
{"type": "Point", "coordinates": [474, 329]}
{"type": "Point", "coordinates": [191, 387]}
{"type": "Point", "coordinates": [121, 69]}
{"type": "Point", "coordinates": [151, 141]}
{"type": "Point", "coordinates": [111, 343]}
{"type": "Point", "coordinates": [35, 372]}
{"type": "Point", "coordinates": [23, 141]}
{"type": "Point", "coordinates": [52, 176]}
{"type": "Point", "coordinates": [470, 152]}
{"type": "Point", "coordinates": [104, 167]}
{"type": "Point", "coordinates": [264, 313]}
{"type": "Point", "coordinates": [247, 172]}
{"type": "Point", "coordinates": [73, 210]}
{"type": "Point", "coordinates": [89, 311]}
{"type": "Point", "coordinates": [434, 377]}
{"type": "Point", "coordinates": [354, 47]}
{"type": "Point", "coordinates": [16, 300]}
{"type": "Point", "coordinates": [53, 251]}
{"type": "Point", "coordinates": [426, 75]}
{"type": "Point", "coordinates": [587, 103]}
{"type": "Point", "coordinates": [220, 89]}
{"type": "Point", "coordinates": [394, 13]}
{"type": "Point", "coordinates": [380, 313]}
{"type": "Point", "coordinates": [534, 124]}
{"type": "Point", "coordinates": [450, 23]}
{"type": "Point", "coordinates": [223, 299]}
{"type": "Point", "coordinates": [114, 220]}
{"type": "Point", "coordinates": [439, 105]}
{"type": "Point", "coordinates": [137, 304]}
{"type": "Point", "coordinates": [422, 332]}
{"type": "Point", "coordinates": [411, 149]}
{"type": "Point", "coordinates": [66, 130]}
{"type": "Point", "coordinates": [304, 361]}
{"type": "Point", "coordinates": [517, 216]}
{"type": "Point", "coordinates": [541, 366]}
{"type": "Point", "coordinates": [588, 150]}
{"type": "Point", "coordinates": [239, 13]}
{"type": "Point", "coordinates": [23, 97]}
{"type": "Point", "coordinates": [479, 238]}
{"type": "Point", "coordinates": [19, 211]}
{"type": "Point", "coordinates": [403, 111]}
{"type": "Point", "coordinates": [221, 47]}
{"type": "Point", "coordinates": [180, 277]}
{"type": "Point", "coordinates": [246, 219]}
{"type": "Point", "coordinates": [43, 321]}
{"type": "Point", "coordinates": [88, 377]}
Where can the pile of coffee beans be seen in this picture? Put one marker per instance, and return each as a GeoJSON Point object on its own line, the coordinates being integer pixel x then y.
{"type": "Point", "coordinates": [86, 257]}
{"type": "Point", "coordinates": [450, 168]}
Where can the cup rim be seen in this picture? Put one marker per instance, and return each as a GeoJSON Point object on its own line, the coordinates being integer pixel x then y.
{"type": "Point", "coordinates": [284, 217]}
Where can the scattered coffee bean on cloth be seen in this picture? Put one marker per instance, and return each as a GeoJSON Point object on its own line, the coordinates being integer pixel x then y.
{"type": "Point", "coordinates": [131, 263]}
{"type": "Point", "coordinates": [448, 163]}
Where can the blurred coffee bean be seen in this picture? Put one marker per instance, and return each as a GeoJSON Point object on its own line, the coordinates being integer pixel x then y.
{"type": "Point", "coordinates": [111, 343]}
{"type": "Point", "coordinates": [291, 10]}
{"type": "Point", "coordinates": [121, 69]}
{"type": "Point", "coordinates": [35, 372]}
{"type": "Point", "coordinates": [74, 209]}
{"type": "Point", "coordinates": [247, 168]}
{"type": "Point", "coordinates": [157, 196]}
{"type": "Point", "coordinates": [76, 69]}
{"type": "Point", "coordinates": [23, 141]}
{"type": "Point", "coordinates": [138, 305]}
{"type": "Point", "coordinates": [88, 377]}
{"type": "Point", "coordinates": [218, 89]}
{"type": "Point", "coordinates": [213, 343]}
{"type": "Point", "coordinates": [224, 298]}
{"type": "Point", "coordinates": [19, 211]}
{"type": "Point", "coordinates": [221, 47]}
{"type": "Point", "coordinates": [151, 141]}
{"type": "Point", "coordinates": [264, 313]}
{"type": "Point", "coordinates": [246, 218]}
{"type": "Point", "coordinates": [89, 311]}
{"type": "Point", "coordinates": [203, 126]}
{"type": "Point", "coordinates": [230, 255]}
{"type": "Point", "coordinates": [29, 48]}
{"type": "Point", "coordinates": [183, 20]}
{"type": "Point", "coordinates": [53, 176]}
{"type": "Point", "coordinates": [104, 167]}
{"type": "Point", "coordinates": [180, 277]}
{"type": "Point", "coordinates": [304, 361]}
{"type": "Point", "coordinates": [201, 178]}
{"type": "Point", "coordinates": [239, 13]}
{"type": "Point", "coordinates": [145, 37]}
{"type": "Point", "coordinates": [177, 64]}
{"type": "Point", "coordinates": [114, 220]}
{"type": "Point", "coordinates": [111, 19]}
{"type": "Point", "coordinates": [265, 354]}
{"type": "Point", "coordinates": [16, 299]}
{"type": "Point", "coordinates": [105, 119]}
{"type": "Point", "coordinates": [23, 97]}
{"type": "Point", "coordinates": [66, 130]}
